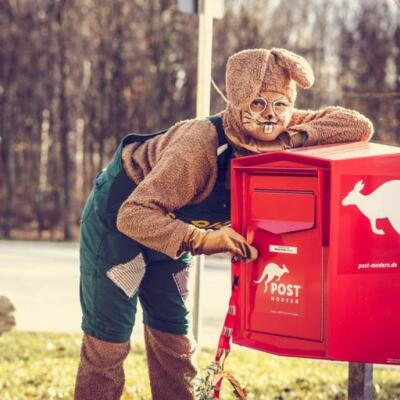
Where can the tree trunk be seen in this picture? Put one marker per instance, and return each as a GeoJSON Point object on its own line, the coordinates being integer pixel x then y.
{"type": "Point", "coordinates": [9, 67]}
{"type": "Point", "coordinates": [64, 125]}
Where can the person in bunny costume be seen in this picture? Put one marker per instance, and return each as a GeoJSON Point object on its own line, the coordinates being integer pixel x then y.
{"type": "Point", "coordinates": [163, 199]}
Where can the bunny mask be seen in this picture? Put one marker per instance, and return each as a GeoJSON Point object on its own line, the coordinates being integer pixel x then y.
{"type": "Point", "coordinates": [269, 74]}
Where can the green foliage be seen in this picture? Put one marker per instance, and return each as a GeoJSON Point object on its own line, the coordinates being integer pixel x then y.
{"type": "Point", "coordinates": [205, 383]}
{"type": "Point", "coordinates": [43, 366]}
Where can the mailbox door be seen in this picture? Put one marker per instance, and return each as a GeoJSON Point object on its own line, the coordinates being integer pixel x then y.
{"type": "Point", "coordinates": [284, 286]}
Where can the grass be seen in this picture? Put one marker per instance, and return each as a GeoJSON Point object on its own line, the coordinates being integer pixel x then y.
{"type": "Point", "coordinates": [43, 366]}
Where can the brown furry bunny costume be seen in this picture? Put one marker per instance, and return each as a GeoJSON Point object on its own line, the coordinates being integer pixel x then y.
{"type": "Point", "coordinates": [164, 198]}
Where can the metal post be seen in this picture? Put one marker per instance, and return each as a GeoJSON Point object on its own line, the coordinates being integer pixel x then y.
{"type": "Point", "coordinates": [204, 57]}
{"type": "Point", "coordinates": [207, 10]}
{"type": "Point", "coordinates": [202, 110]}
{"type": "Point", "coordinates": [360, 385]}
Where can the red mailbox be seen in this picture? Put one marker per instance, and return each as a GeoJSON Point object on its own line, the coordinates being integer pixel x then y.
{"type": "Point", "coordinates": [326, 222]}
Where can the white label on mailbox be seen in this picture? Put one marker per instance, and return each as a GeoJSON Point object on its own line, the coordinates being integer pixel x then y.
{"type": "Point", "coordinates": [282, 249]}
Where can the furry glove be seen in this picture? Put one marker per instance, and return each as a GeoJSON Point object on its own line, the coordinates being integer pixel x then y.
{"type": "Point", "coordinates": [295, 140]}
{"type": "Point", "coordinates": [200, 241]}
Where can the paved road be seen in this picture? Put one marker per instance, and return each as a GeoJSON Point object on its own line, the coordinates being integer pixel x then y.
{"type": "Point", "coordinates": [42, 280]}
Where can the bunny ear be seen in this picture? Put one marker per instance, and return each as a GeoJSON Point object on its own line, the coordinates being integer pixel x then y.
{"type": "Point", "coordinates": [297, 67]}
{"type": "Point", "coordinates": [359, 186]}
{"type": "Point", "coordinates": [245, 72]}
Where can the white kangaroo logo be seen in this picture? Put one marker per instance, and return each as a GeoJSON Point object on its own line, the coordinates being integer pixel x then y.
{"type": "Point", "coordinates": [272, 270]}
{"type": "Point", "coordinates": [382, 203]}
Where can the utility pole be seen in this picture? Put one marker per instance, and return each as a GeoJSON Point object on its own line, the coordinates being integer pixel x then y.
{"type": "Point", "coordinates": [207, 10]}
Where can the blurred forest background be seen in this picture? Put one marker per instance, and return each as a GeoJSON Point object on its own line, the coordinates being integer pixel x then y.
{"type": "Point", "coordinates": [76, 76]}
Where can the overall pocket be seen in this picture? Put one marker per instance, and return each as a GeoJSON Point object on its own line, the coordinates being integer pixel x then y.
{"type": "Point", "coordinates": [129, 275]}
{"type": "Point", "coordinates": [182, 282]}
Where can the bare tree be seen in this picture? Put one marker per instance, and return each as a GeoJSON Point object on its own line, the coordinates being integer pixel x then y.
{"type": "Point", "coordinates": [75, 77]}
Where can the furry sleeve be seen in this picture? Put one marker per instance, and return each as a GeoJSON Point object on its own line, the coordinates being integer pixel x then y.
{"type": "Point", "coordinates": [185, 173]}
{"type": "Point", "coordinates": [330, 125]}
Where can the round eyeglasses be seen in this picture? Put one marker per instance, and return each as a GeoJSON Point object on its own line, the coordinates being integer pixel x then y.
{"type": "Point", "coordinates": [279, 106]}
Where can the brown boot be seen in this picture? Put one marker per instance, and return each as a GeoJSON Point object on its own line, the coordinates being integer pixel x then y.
{"type": "Point", "coordinates": [171, 368]}
{"type": "Point", "coordinates": [100, 373]}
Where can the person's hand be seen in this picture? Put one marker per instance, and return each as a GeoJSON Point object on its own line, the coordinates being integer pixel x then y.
{"type": "Point", "coordinates": [222, 240]}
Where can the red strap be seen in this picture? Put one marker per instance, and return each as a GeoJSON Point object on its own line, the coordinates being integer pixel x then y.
{"type": "Point", "coordinates": [224, 344]}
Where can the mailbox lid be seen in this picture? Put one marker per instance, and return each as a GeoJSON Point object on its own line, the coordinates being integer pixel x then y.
{"type": "Point", "coordinates": [273, 212]}
{"type": "Point", "coordinates": [284, 286]}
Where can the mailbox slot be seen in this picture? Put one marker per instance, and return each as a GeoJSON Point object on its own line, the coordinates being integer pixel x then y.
{"type": "Point", "coordinates": [284, 285]}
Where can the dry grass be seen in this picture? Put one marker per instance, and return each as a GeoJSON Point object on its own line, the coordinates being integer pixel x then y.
{"type": "Point", "coordinates": [43, 366]}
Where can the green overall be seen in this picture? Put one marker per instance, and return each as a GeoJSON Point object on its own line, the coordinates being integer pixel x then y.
{"type": "Point", "coordinates": [158, 281]}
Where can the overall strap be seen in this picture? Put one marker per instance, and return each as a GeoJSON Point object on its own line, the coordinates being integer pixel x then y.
{"type": "Point", "coordinates": [224, 151]}
{"type": "Point", "coordinates": [140, 137]}
{"type": "Point", "coordinates": [217, 122]}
